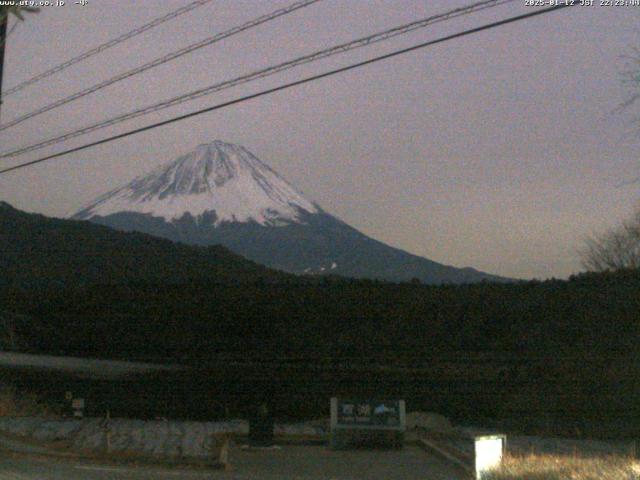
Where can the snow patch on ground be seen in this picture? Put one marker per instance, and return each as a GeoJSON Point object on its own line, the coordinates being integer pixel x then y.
{"type": "Point", "coordinates": [158, 438]}
{"type": "Point", "coordinates": [173, 439]}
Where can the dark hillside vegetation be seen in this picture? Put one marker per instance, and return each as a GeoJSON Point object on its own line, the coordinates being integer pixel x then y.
{"type": "Point", "coordinates": [553, 357]}
{"type": "Point", "coordinates": [596, 314]}
{"type": "Point", "coordinates": [558, 356]}
{"type": "Point", "coordinates": [43, 252]}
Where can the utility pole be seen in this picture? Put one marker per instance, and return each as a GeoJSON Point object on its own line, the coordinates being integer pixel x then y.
{"type": "Point", "coordinates": [4, 21]}
{"type": "Point", "coordinates": [3, 40]}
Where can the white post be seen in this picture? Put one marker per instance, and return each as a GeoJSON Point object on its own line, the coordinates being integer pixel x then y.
{"type": "Point", "coordinates": [489, 450]}
{"type": "Point", "coordinates": [223, 458]}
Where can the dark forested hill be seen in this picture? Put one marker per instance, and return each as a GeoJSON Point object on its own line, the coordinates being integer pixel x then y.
{"type": "Point", "coordinates": [41, 251]}
{"type": "Point", "coordinates": [559, 352]}
{"type": "Point", "coordinates": [549, 357]}
{"type": "Point", "coordinates": [341, 318]}
{"type": "Point", "coordinates": [162, 297]}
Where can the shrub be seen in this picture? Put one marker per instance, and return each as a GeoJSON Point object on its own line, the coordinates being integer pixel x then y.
{"type": "Point", "coordinates": [558, 467]}
{"type": "Point", "coordinates": [19, 404]}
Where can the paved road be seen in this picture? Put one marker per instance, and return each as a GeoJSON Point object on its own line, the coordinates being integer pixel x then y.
{"type": "Point", "coordinates": [288, 463]}
{"type": "Point", "coordinates": [82, 367]}
{"type": "Point", "coordinates": [321, 463]}
{"type": "Point", "coordinates": [30, 468]}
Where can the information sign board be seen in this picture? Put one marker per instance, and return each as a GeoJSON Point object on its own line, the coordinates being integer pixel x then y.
{"type": "Point", "coordinates": [367, 422]}
{"type": "Point", "coordinates": [368, 413]}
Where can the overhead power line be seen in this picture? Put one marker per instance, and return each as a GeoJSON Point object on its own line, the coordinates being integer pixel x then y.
{"type": "Point", "coordinates": [345, 47]}
{"type": "Point", "coordinates": [107, 45]}
{"type": "Point", "coordinates": [292, 84]}
{"type": "Point", "coordinates": [162, 60]}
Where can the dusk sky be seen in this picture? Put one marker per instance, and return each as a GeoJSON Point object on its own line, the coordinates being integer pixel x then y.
{"type": "Point", "coordinates": [501, 150]}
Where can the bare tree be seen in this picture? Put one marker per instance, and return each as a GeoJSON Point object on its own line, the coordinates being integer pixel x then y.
{"type": "Point", "coordinates": [8, 336]}
{"type": "Point", "coordinates": [619, 247]}
{"type": "Point", "coordinates": [615, 249]}
{"type": "Point", "coordinates": [630, 76]}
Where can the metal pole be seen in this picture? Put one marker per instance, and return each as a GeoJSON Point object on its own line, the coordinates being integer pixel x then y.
{"type": "Point", "coordinates": [3, 39]}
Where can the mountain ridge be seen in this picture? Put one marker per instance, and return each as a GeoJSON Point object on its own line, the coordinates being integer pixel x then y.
{"type": "Point", "coordinates": [221, 193]}
{"type": "Point", "coordinates": [221, 175]}
{"type": "Point", "coordinates": [44, 251]}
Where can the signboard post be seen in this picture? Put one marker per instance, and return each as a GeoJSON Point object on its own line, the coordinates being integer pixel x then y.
{"type": "Point", "coordinates": [77, 404]}
{"type": "Point", "coordinates": [261, 428]}
{"type": "Point", "coordinates": [361, 422]}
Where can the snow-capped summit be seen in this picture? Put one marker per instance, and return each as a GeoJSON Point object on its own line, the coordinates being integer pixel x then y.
{"type": "Point", "coordinates": [221, 194]}
{"type": "Point", "coordinates": [225, 182]}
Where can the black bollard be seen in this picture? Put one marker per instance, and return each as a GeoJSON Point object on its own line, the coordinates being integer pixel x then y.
{"type": "Point", "coordinates": [261, 427]}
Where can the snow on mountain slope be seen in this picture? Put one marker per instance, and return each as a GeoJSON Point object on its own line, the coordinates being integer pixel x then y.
{"type": "Point", "coordinates": [219, 177]}
{"type": "Point", "coordinates": [220, 194]}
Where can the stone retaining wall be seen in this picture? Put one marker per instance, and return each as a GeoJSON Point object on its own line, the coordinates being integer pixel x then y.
{"type": "Point", "coordinates": [158, 438]}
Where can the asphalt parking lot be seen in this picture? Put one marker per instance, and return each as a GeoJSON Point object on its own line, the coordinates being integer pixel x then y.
{"type": "Point", "coordinates": [318, 462]}
{"type": "Point", "coordinates": [286, 462]}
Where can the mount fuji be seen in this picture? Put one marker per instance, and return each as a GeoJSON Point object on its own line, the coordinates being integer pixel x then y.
{"type": "Point", "coordinates": [222, 194]}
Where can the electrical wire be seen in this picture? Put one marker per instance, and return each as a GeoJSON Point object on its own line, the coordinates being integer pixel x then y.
{"type": "Point", "coordinates": [161, 60]}
{"type": "Point", "coordinates": [354, 44]}
{"type": "Point", "coordinates": [292, 84]}
{"type": "Point", "coordinates": [106, 45]}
